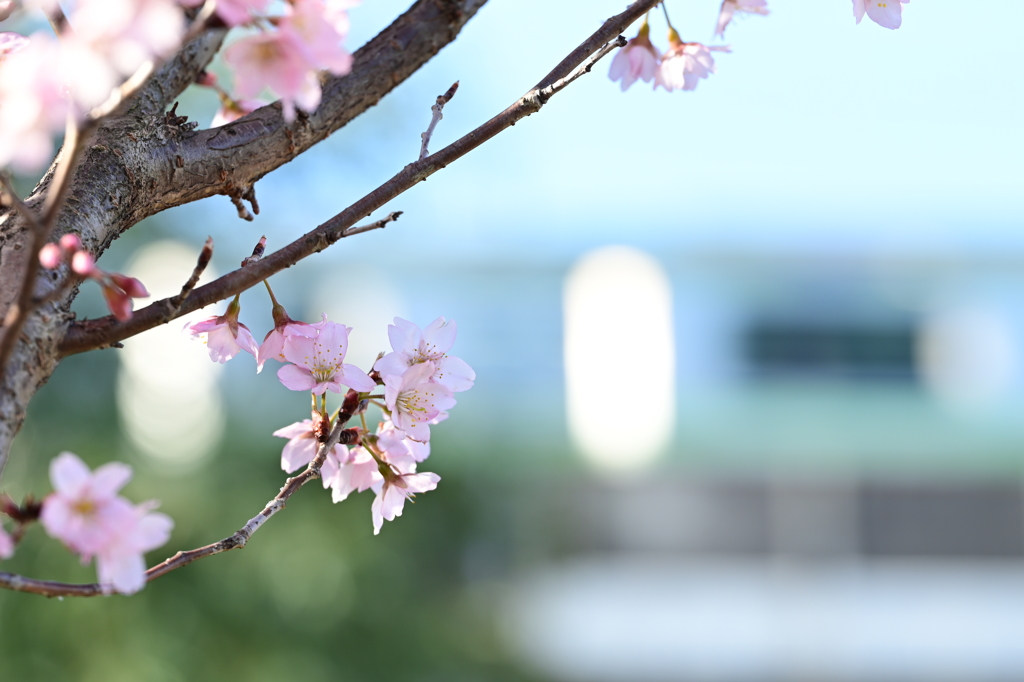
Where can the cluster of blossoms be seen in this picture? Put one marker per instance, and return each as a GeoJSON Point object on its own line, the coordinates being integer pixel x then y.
{"type": "Point", "coordinates": [418, 376]}
{"type": "Point", "coordinates": [85, 513]}
{"type": "Point", "coordinates": [683, 65]}
{"type": "Point", "coordinates": [45, 79]}
{"type": "Point", "coordinates": [118, 290]}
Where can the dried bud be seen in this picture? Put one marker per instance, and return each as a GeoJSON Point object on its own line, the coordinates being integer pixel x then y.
{"type": "Point", "coordinates": [351, 403]}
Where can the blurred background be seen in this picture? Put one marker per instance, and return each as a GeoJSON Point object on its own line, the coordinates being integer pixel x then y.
{"type": "Point", "coordinates": [750, 374]}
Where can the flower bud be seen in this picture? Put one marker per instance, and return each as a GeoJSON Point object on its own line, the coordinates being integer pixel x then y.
{"type": "Point", "coordinates": [83, 264]}
{"type": "Point", "coordinates": [130, 285]}
{"type": "Point", "coordinates": [50, 256]}
{"type": "Point", "coordinates": [70, 242]}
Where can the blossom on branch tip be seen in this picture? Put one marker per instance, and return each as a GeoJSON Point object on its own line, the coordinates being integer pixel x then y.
{"type": "Point", "coordinates": [318, 362]}
{"type": "Point", "coordinates": [637, 60]}
{"type": "Point", "coordinates": [225, 335]}
{"type": "Point", "coordinates": [684, 64]}
{"type": "Point", "coordinates": [120, 564]}
{"type": "Point", "coordinates": [730, 7]}
{"type": "Point", "coordinates": [394, 491]}
{"type": "Point", "coordinates": [413, 400]}
{"type": "Point", "coordinates": [412, 347]}
{"type": "Point", "coordinates": [886, 13]}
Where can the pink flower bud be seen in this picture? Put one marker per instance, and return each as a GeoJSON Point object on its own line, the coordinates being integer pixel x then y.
{"type": "Point", "coordinates": [70, 242]}
{"type": "Point", "coordinates": [206, 79]}
{"type": "Point", "coordinates": [50, 256]}
{"type": "Point", "coordinates": [130, 285]}
{"type": "Point", "coordinates": [83, 264]}
{"type": "Point", "coordinates": [119, 302]}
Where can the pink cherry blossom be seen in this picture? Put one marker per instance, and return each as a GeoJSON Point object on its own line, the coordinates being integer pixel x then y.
{"type": "Point", "coordinates": [319, 362]}
{"type": "Point", "coordinates": [411, 347]}
{"type": "Point", "coordinates": [120, 564]}
{"type": "Point", "coordinates": [638, 59]}
{"type": "Point", "coordinates": [128, 32]}
{"type": "Point", "coordinates": [394, 491]}
{"type": "Point", "coordinates": [234, 12]}
{"type": "Point", "coordinates": [685, 64]}
{"type": "Point", "coordinates": [320, 37]}
{"type": "Point", "coordinates": [414, 400]}
{"type": "Point", "coordinates": [6, 544]}
{"type": "Point", "coordinates": [354, 471]}
{"type": "Point", "coordinates": [272, 347]}
{"type": "Point", "coordinates": [84, 511]}
{"type": "Point", "coordinates": [302, 446]}
{"type": "Point", "coordinates": [399, 450]}
{"type": "Point", "coordinates": [225, 335]}
{"type": "Point", "coordinates": [279, 61]}
{"type": "Point", "coordinates": [10, 42]}
{"type": "Point", "coordinates": [729, 7]}
{"type": "Point", "coordinates": [886, 13]}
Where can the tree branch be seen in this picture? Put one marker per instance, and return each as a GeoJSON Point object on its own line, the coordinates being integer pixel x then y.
{"type": "Point", "coordinates": [107, 331]}
{"type": "Point", "coordinates": [237, 540]}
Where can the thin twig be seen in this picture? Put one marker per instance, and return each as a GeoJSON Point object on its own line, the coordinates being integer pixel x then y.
{"type": "Point", "coordinates": [204, 259]}
{"type": "Point", "coordinates": [435, 117]}
{"type": "Point", "coordinates": [16, 201]}
{"type": "Point", "coordinates": [237, 540]}
{"type": "Point", "coordinates": [105, 332]}
{"type": "Point", "coordinates": [359, 229]}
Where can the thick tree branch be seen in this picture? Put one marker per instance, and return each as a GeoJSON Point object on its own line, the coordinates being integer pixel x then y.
{"type": "Point", "coordinates": [237, 540]}
{"type": "Point", "coordinates": [107, 331]}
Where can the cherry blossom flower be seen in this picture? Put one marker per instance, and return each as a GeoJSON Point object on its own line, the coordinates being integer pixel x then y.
{"type": "Point", "coordinates": [84, 511]}
{"type": "Point", "coordinates": [279, 61]}
{"type": "Point", "coordinates": [684, 64]}
{"type": "Point", "coordinates": [638, 59]}
{"type": "Point", "coordinates": [302, 446]}
{"type": "Point", "coordinates": [128, 32]}
{"type": "Point", "coordinates": [234, 12]}
{"type": "Point", "coordinates": [394, 491]}
{"type": "Point", "coordinates": [400, 450]}
{"type": "Point", "coordinates": [887, 13]}
{"type": "Point", "coordinates": [353, 471]}
{"type": "Point", "coordinates": [272, 347]}
{"type": "Point", "coordinates": [120, 564]}
{"type": "Point", "coordinates": [225, 335]}
{"type": "Point", "coordinates": [729, 7]}
{"type": "Point", "coordinates": [413, 400]}
{"type": "Point", "coordinates": [320, 37]}
{"type": "Point", "coordinates": [319, 362]}
{"type": "Point", "coordinates": [411, 347]}
{"type": "Point", "coordinates": [6, 544]}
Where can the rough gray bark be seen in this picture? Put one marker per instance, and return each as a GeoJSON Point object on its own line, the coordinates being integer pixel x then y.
{"type": "Point", "coordinates": [138, 164]}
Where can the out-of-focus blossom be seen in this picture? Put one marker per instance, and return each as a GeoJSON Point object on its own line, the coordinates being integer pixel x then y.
{"type": "Point", "coordinates": [413, 400]}
{"type": "Point", "coordinates": [272, 347]}
{"type": "Point", "coordinates": [50, 256]}
{"type": "Point", "coordinates": [84, 511]}
{"type": "Point", "coordinates": [276, 60]}
{"type": "Point", "coordinates": [224, 335]}
{"type": "Point", "coordinates": [120, 564]}
{"type": "Point", "coordinates": [118, 290]}
{"type": "Point", "coordinates": [349, 470]}
{"type": "Point", "coordinates": [394, 491]}
{"type": "Point", "coordinates": [684, 64]}
{"type": "Point", "coordinates": [129, 32]}
{"type": "Point", "coordinates": [6, 544]}
{"type": "Point", "coordinates": [320, 37]}
{"type": "Point", "coordinates": [232, 110]}
{"type": "Point", "coordinates": [887, 13]}
{"type": "Point", "coordinates": [234, 12]}
{"type": "Point", "coordinates": [637, 60]}
{"type": "Point", "coordinates": [730, 7]}
{"type": "Point", "coordinates": [302, 446]}
{"type": "Point", "coordinates": [319, 362]}
{"type": "Point", "coordinates": [412, 347]}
